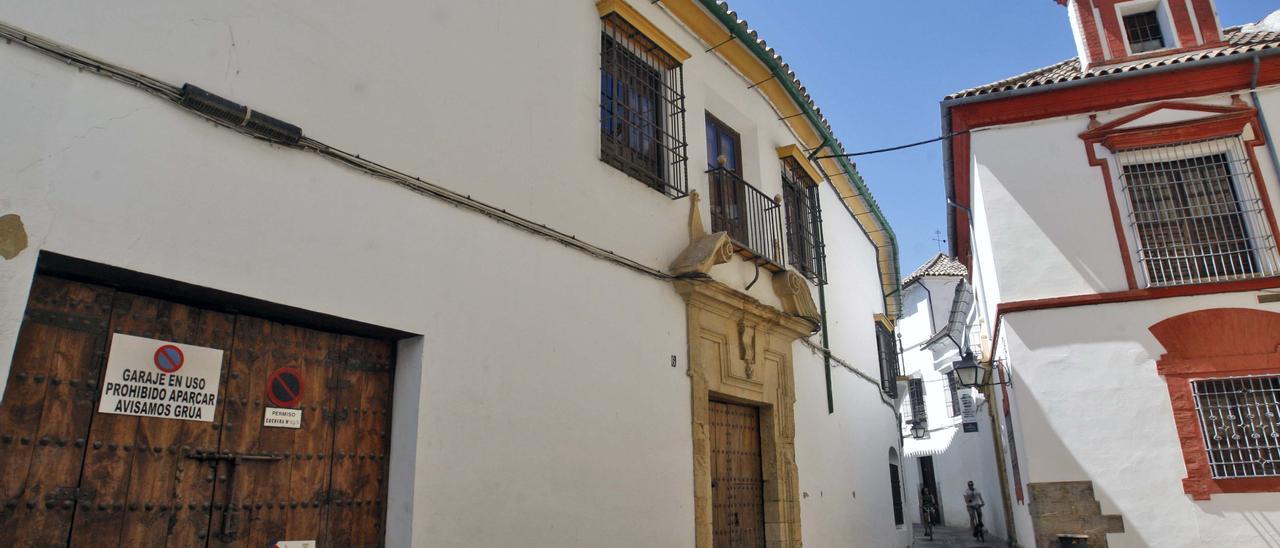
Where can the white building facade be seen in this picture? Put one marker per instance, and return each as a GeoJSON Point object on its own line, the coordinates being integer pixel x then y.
{"type": "Point", "coordinates": [525, 275]}
{"type": "Point", "coordinates": [1117, 212]}
{"type": "Point", "coordinates": [936, 328]}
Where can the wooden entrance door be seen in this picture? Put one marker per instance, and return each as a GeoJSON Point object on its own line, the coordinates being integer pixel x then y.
{"type": "Point", "coordinates": [72, 476]}
{"type": "Point", "coordinates": [737, 482]}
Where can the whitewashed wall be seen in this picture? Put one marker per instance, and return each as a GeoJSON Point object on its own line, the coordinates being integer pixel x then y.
{"type": "Point", "coordinates": [1045, 228]}
{"type": "Point", "coordinates": [539, 406]}
{"type": "Point", "coordinates": [846, 499]}
{"type": "Point", "coordinates": [1092, 407]}
{"type": "Point", "coordinates": [968, 456]}
{"type": "Point", "coordinates": [1086, 401]}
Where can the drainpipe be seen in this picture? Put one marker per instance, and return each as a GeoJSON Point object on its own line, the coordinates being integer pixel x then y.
{"type": "Point", "coordinates": [826, 345]}
{"type": "Point", "coordinates": [1262, 117]}
{"type": "Point", "coordinates": [1010, 530]}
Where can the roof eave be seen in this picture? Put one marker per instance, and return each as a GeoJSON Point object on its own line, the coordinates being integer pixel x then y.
{"type": "Point", "coordinates": [947, 104]}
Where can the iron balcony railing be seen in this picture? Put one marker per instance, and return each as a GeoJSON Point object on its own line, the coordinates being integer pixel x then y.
{"type": "Point", "coordinates": [752, 218]}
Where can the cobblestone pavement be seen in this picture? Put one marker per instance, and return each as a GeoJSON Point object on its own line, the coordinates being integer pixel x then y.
{"type": "Point", "coordinates": [951, 537]}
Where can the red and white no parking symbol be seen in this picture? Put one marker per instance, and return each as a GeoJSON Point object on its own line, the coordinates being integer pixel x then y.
{"type": "Point", "coordinates": [169, 358]}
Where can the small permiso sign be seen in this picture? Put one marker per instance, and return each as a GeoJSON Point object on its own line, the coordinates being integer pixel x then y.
{"type": "Point", "coordinates": [277, 417]}
{"type": "Point", "coordinates": [161, 379]}
{"type": "Point", "coordinates": [968, 413]}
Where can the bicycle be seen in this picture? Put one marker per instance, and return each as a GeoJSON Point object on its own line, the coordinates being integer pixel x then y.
{"type": "Point", "coordinates": [979, 528]}
{"type": "Point", "coordinates": [928, 521]}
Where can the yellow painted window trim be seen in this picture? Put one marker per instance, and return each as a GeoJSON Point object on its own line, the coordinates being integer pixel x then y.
{"type": "Point", "coordinates": [793, 151]}
{"type": "Point", "coordinates": [885, 321]}
{"type": "Point", "coordinates": [648, 29]}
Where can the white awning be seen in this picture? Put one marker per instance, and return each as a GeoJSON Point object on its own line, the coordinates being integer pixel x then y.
{"type": "Point", "coordinates": [937, 443]}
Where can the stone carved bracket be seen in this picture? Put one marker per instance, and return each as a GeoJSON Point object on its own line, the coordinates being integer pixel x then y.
{"type": "Point", "coordinates": [703, 253]}
{"type": "Point", "coordinates": [793, 290]}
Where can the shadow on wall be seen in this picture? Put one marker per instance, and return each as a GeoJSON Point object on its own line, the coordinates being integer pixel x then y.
{"type": "Point", "coordinates": [1264, 527]}
{"type": "Point", "coordinates": [1067, 467]}
{"type": "Point", "coordinates": [1072, 214]}
{"type": "Point", "coordinates": [1259, 510]}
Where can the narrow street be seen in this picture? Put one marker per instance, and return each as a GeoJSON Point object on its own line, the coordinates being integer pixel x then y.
{"type": "Point", "coordinates": [950, 537]}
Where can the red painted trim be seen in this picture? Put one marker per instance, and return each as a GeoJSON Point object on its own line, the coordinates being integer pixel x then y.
{"type": "Point", "coordinates": [1183, 26]}
{"type": "Point", "coordinates": [1117, 224]}
{"type": "Point", "coordinates": [1127, 296]}
{"type": "Point", "coordinates": [1191, 81]}
{"type": "Point", "coordinates": [960, 146]}
{"type": "Point", "coordinates": [1139, 295]}
{"type": "Point", "coordinates": [1101, 130]}
{"type": "Point", "coordinates": [1207, 20]}
{"type": "Point", "coordinates": [1179, 132]}
{"type": "Point", "coordinates": [1089, 27]}
{"type": "Point", "coordinates": [1219, 342]}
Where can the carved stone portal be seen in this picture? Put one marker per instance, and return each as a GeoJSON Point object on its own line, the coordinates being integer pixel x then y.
{"type": "Point", "coordinates": [740, 351]}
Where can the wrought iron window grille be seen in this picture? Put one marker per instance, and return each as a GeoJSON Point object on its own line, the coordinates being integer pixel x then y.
{"type": "Point", "coordinates": [806, 250]}
{"type": "Point", "coordinates": [887, 346]}
{"type": "Point", "coordinates": [915, 389]}
{"type": "Point", "coordinates": [1240, 422]}
{"type": "Point", "coordinates": [1195, 214]}
{"type": "Point", "coordinates": [895, 483]}
{"type": "Point", "coordinates": [642, 109]}
{"type": "Point", "coordinates": [953, 393]}
{"type": "Point", "coordinates": [1143, 32]}
{"type": "Point", "coordinates": [752, 218]}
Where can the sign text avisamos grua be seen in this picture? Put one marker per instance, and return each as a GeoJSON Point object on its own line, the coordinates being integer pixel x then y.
{"type": "Point", "coordinates": [162, 379]}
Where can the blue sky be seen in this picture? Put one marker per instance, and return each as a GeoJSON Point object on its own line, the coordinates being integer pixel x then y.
{"type": "Point", "coordinates": [879, 69]}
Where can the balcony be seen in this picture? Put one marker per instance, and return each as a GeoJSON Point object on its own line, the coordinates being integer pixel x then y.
{"type": "Point", "coordinates": [752, 218]}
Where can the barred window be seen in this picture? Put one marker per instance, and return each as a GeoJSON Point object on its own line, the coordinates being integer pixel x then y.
{"type": "Point", "coordinates": [642, 130]}
{"type": "Point", "coordinates": [915, 388]}
{"type": "Point", "coordinates": [888, 349]}
{"type": "Point", "coordinates": [806, 251]}
{"type": "Point", "coordinates": [953, 393]}
{"type": "Point", "coordinates": [895, 483]}
{"type": "Point", "coordinates": [1195, 214]}
{"type": "Point", "coordinates": [1143, 32]}
{"type": "Point", "coordinates": [1240, 420]}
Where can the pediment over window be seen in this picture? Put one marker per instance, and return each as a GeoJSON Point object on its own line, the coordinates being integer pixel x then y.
{"type": "Point", "coordinates": [1175, 122]}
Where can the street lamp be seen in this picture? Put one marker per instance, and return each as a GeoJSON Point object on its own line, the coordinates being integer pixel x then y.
{"type": "Point", "coordinates": [968, 372]}
{"type": "Point", "coordinates": [971, 374]}
{"type": "Point", "coordinates": [919, 430]}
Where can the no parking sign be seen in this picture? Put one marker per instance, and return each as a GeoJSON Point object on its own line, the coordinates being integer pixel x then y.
{"type": "Point", "coordinates": [162, 379]}
{"type": "Point", "coordinates": [284, 388]}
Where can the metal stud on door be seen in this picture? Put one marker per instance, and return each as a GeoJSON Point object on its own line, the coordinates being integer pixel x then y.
{"type": "Point", "coordinates": [146, 492]}
{"type": "Point", "coordinates": [737, 484]}
{"type": "Point", "coordinates": [276, 477]}
{"type": "Point", "coordinates": [46, 411]}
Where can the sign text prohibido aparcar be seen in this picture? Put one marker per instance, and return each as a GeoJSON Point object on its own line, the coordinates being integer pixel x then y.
{"type": "Point", "coordinates": [162, 379]}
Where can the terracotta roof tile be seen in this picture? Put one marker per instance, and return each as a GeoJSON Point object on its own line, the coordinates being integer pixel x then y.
{"type": "Point", "coordinates": [1238, 42]}
{"type": "Point", "coordinates": [939, 265]}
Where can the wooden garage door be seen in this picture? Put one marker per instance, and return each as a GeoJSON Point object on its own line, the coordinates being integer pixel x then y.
{"type": "Point", "coordinates": [737, 484]}
{"type": "Point", "coordinates": [72, 476]}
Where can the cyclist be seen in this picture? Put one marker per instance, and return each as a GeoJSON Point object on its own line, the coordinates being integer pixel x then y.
{"type": "Point", "coordinates": [928, 509]}
{"type": "Point", "coordinates": [973, 501]}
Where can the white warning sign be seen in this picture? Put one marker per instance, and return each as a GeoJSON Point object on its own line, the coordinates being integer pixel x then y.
{"type": "Point", "coordinates": [969, 421]}
{"type": "Point", "coordinates": [167, 380]}
{"type": "Point", "coordinates": [277, 417]}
